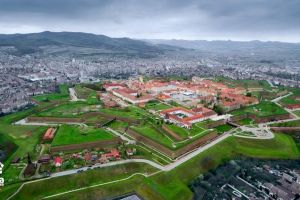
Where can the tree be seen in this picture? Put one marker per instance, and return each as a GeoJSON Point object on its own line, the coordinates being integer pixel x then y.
{"type": "Point", "coordinates": [218, 109]}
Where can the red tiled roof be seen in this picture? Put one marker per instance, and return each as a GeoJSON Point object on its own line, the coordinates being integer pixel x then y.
{"type": "Point", "coordinates": [49, 134]}
{"type": "Point", "coordinates": [58, 160]}
{"type": "Point", "coordinates": [114, 153]}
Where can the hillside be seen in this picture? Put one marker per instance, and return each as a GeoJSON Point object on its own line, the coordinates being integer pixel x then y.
{"type": "Point", "coordinates": [78, 43]}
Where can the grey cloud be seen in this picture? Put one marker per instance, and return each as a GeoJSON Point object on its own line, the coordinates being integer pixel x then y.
{"type": "Point", "coordinates": [187, 19]}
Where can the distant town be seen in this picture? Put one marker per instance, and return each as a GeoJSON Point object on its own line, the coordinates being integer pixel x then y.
{"type": "Point", "coordinates": [39, 73]}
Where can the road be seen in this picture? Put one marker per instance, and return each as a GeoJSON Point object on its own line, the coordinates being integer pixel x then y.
{"type": "Point", "coordinates": [129, 141]}
{"type": "Point", "coordinates": [25, 122]}
{"type": "Point", "coordinates": [73, 95]}
{"type": "Point", "coordinates": [120, 162]}
{"type": "Point", "coordinates": [262, 132]}
{"type": "Point", "coordinates": [168, 167]}
{"type": "Point", "coordinates": [176, 163]}
{"type": "Point", "coordinates": [279, 98]}
{"type": "Point", "coordinates": [97, 185]}
{"type": "Point", "coordinates": [98, 165]}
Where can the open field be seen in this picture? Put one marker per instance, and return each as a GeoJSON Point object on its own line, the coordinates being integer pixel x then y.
{"type": "Point", "coordinates": [246, 121]}
{"type": "Point", "coordinates": [156, 105]}
{"type": "Point", "coordinates": [70, 109]}
{"type": "Point", "coordinates": [297, 112]}
{"type": "Point", "coordinates": [25, 137]}
{"type": "Point", "coordinates": [263, 109]}
{"type": "Point", "coordinates": [63, 94]}
{"type": "Point", "coordinates": [171, 185]}
{"type": "Point", "coordinates": [88, 94]}
{"type": "Point", "coordinates": [41, 189]}
{"type": "Point", "coordinates": [152, 133]}
{"type": "Point", "coordinates": [245, 83]}
{"type": "Point", "coordinates": [118, 125]}
{"type": "Point", "coordinates": [223, 128]}
{"type": "Point", "coordinates": [160, 136]}
{"type": "Point", "coordinates": [10, 118]}
{"type": "Point", "coordinates": [25, 140]}
{"type": "Point", "coordinates": [185, 133]}
{"type": "Point", "coordinates": [130, 112]}
{"type": "Point", "coordinates": [126, 112]}
{"type": "Point", "coordinates": [165, 185]}
{"type": "Point", "coordinates": [71, 134]}
{"type": "Point", "coordinates": [83, 92]}
{"type": "Point", "coordinates": [291, 99]}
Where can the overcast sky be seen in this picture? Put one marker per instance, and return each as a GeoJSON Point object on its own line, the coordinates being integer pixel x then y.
{"type": "Point", "coordinates": [158, 19]}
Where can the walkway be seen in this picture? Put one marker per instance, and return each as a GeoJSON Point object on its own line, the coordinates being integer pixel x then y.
{"type": "Point", "coordinates": [129, 141]}
{"type": "Point", "coordinates": [73, 95]}
{"type": "Point", "coordinates": [25, 122]}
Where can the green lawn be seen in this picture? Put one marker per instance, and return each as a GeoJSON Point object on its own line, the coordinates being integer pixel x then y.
{"type": "Point", "coordinates": [263, 109]}
{"type": "Point", "coordinates": [129, 112]}
{"type": "Point", "coordinates": [223, 128]}
{"type": "Point", "coordinates": [150, 132]}
{"type": "Point", "coordinates": [184, 132]}
{"type": "Point", "coordinates": [26, 139]}
{"type": "Point", "coordinates": [12, 173]}
{"type": "Point", "coordinates": [163, 138]}
{"type": "Point", "coordinates": [83, 92]}
{"type": "Point", "coordinates": [118, 125]}
{"type": "Point", "coordinates": [41, 189]}
{"type": "Point", "coordinates": [297, 112]}
{"type": "Point", "coordinates": [70, 109]}
{"type": "Point", "coordinates": [246, 121]}
{"type": "Point", "coordinates": [156, 105]}
{"type": "Point", "coordinates": [172, 185]}
{"type": "Point", "coordinates": [291, 99]}
{"type": "Point", "coordinates": [246, 83]}
{"type": "Point", "coordinates": [72, 134]}
{"type": "Point", "coordinates": [63, 94]}
{"type": "Point", "coordinates": [10, 118]}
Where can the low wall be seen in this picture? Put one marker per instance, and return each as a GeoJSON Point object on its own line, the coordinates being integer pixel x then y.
{"type": "Point", "coordinates": [140, 138]}
{"type": "Point", "coordinates": [285, 129]}
{"type": "Point", "coordinates": [269, 118]}
{"type": "Point", "coordinates": [87, 145]}
{"type": "Point", "coordinates": [54, 120]}
{"type": "Point", "coordinates": [260, 119]}
{"type": "Point", "coordinates": [237, 118]}
{"type": "Point", "coordinates": [109, 116]}
{"type": "Point", "coordinates": [171, 133]}
{"type": "Point", "coordinates": [197, 143]}
{"type": "Point", "coordinates": [214, 124]}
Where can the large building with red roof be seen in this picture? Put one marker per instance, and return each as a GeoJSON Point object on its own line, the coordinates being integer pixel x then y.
{"type": "Point", "coordinates": [113, 86]}
{"type": "Point", "coordinates": [132, 96]}
{"type": "Point", "coordinates": [184, 117]}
